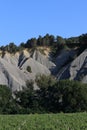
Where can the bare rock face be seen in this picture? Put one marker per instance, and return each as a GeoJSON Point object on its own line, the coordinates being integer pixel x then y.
{"type": "Point", "coordinates": [76, 70]}
{"type": "Point", "coordinates": [37, 56]}
{"type": "Point", "coordinates": [14, 73]}
{"type": "Point", "coordinates": [12, 76]}
{"type": "Point", "coordinates": [64, 58]}
{"type": "Point", "coordinates": [36, 67]}
{"type": "Point", "coordinates": [13, 69]}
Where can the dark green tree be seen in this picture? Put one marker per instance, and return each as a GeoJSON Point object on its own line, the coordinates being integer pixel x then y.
{"type": "Point", "coordinates": [5, 98]}
{"type": "Point", "coordinates": [74, 97]}
{"type": "Point", "coordinates": [12, 48]}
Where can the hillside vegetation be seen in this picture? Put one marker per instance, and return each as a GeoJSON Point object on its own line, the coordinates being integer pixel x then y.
{"type": "Point", "coordinates": [55, 43]}
{"type": "Point", "coordinates": [52, 96]}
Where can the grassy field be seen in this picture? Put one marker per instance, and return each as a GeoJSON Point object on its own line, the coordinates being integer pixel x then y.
{"type": "Point", "coordinates": [61, 121]}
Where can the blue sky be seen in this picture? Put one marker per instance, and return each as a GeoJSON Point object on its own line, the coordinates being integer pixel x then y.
{"type": "Point", "coordinates": [21, 20]}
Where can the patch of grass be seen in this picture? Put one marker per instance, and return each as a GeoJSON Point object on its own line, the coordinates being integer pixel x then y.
{"type": "Point", "coordinates": [77, 121]}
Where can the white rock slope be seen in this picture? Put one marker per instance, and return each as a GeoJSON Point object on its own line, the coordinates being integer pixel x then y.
{"type": "Point", "coordinates": [76, 70]}
{"type": "Point", "coordinates": [13, 71]}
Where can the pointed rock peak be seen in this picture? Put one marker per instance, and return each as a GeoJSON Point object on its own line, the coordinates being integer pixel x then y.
{"type": "Point", "coordinates": [26, 53]}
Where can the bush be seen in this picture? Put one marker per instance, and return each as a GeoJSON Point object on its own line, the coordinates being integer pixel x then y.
{"type": "Point", "coordinates": [74, 96]}
{"type": "Point", "coordinates": [53, 96]}
{"type": "Point", "coordinates": [29, 69]}
{"type": "Point", "coordinates": [5, 98]}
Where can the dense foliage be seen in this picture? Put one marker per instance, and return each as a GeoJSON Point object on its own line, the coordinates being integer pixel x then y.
{"type": "Point", "coordinates": [56, 43]}
{"type": "Point", "coordinates": [52, 96]}
{"type": "Point", "coordinates": [7, 103]}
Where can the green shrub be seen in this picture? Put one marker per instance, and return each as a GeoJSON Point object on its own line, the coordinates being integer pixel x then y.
{"type": "Point", "coordinates": [29, 69]}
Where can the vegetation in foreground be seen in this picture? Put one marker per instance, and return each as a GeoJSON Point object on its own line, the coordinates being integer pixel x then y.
{"type": "Point", "coordinates": [52, 96]}
{"type": "Point", "coordinates": [61, 121]}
